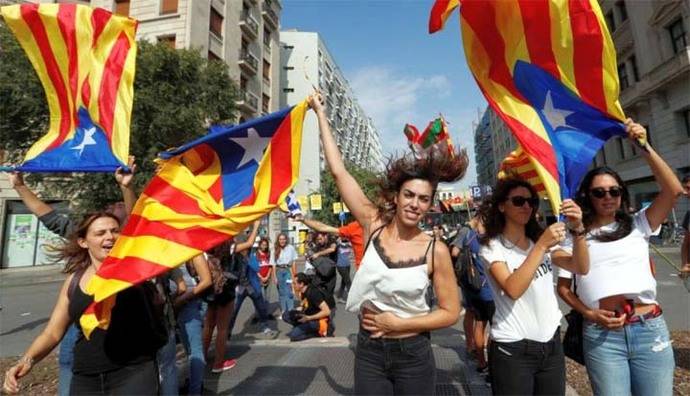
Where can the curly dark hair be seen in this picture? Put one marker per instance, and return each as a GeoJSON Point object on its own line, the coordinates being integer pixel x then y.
{"type": "Point", "coordinates": [623, 217]}
{"type": "Point", "coordinates": [75, 257]}
{"type": "Point", "coordinates": [434, 168]}
{"type": "Point", "coordinates": [494, 220]}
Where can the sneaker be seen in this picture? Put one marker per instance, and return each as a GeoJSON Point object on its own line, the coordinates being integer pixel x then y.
{"type": "Point", "coordinates": [226, 365]}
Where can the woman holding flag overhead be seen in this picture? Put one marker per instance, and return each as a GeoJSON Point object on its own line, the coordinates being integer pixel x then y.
{"type": "Point", "coordinates": [626, 341]}
{"type": "Point", "coordinates": [110, 361]}
{"type": "Point", "coordinates": [393, 354]}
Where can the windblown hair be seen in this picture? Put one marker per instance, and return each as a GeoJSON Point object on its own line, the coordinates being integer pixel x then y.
{"type": "Point", "coordinates": [75, 257]}
{"type": "Point", "coordinates": [434, 168]}
{"type": "Point", "coordinates": [494, 220]}
{"type": "Point", "coordinates": [623, 217]}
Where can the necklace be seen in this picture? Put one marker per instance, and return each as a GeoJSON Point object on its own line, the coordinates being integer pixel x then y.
{"type": "Point", "coordinates": [510, 245]}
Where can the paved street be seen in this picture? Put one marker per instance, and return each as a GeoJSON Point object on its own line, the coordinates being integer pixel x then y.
{"type": "Point", "coordinates": [273, 365]}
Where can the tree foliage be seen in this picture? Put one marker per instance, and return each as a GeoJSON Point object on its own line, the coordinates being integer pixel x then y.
{"type": "Point", "coordinates": [329, 192]}
{"type": "Point", "coordinates": [177, 95]}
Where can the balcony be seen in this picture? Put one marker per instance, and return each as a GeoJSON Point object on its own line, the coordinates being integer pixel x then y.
{"type": "Point", "coordinates": [269, 14]}
{"type": "Point", "coordinates": [249, 103]}
{"type": "Point", "coordinates": [248, 61]}
{"type": "Point", "coordinates": [249, 24]}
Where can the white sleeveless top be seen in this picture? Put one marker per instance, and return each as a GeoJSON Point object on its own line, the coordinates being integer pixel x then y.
{"type": "Point", "coordinates": [401, 291]}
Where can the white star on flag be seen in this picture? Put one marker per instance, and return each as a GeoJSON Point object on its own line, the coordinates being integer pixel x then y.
{"type": "Point", "coordinates": [253, 145]}
{"type": "Point", "coordinates": [87, 141]}
{"type": "Point", "coordinates": [555, 117]}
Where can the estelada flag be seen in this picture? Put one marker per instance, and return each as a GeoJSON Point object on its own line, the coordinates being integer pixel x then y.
{"type": "Point", "coordinates": [85, 59]}
{"type": "Point", "coordinates": [548, 69]}
{"type": "Point", "coordinates": [206, 191]}
{"type": "Point", "coordinates": [518, 164]}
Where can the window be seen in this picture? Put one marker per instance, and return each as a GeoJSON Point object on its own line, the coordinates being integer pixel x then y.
{"type": "Point", "coordinates": [168, 6]}
{"type": "Point", "coordinates": [243, 83]}
{"type": "Point", "coordinates": [610, 21]}
{"type": "Point", "coordinates": [623, 76]}
{"type": "Point", "coordinates": [677, 32]}
{"type": "Point", "coordinates": [267, 37]}
{"type": "Point", "coordinates": [288, 90]}
{"type": "Point", "coordinates": [265, 103]}
{"type": "Point", "coordinates": [622, 10]}
{"type": "Point", "coordinates": [288, 47]}
{"type": "Point", "coordinates": [216, 23]}
{"type": "Point", "coordinates": [621, 147]}
{"type": "Point", "coordinates": [686, 121]}
{"type": "Point", "coordinates": [213, 57]}
{"type": "Point", "coordinates": [168, 40]}
{"type": "Point", "coordinates": [633, 63]}
{"type": "Point", "coordinates": [267, 70]}
{"type": "Point", "coordinates": [288, 68]}
{"type": "Point", "coordinates": [122, 7]}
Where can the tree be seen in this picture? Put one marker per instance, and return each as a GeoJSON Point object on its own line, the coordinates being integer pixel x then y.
{"type": "Point", "coordinates": [177, 95]}
{"type": "Point", "coordinates": [329, 192]}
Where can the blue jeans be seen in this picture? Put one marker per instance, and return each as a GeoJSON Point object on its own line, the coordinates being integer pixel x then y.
{"type": "Point", "coordinates": [65, 359]}
{"type": "Point", "coordinates": [259, 307]}
{"type": "Point", "coordinates": [637, 359]}
{"type": "Point", "coordinates": [285, 296]}
{"type": "Point", "coordinates": [190, 322]}
{"type": "Point", "coordinates": [301, 331]}
{"type": "Point", "coordinates": [167, 367]}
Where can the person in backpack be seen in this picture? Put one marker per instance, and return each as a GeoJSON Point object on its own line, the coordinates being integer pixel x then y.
{"type": "Point", "coordinates": [468, 318]}
{"type": "Point", "coordinates": [225, 268]}
{"type": "Point", "coordinates": [111, 361]}
{"type": "Point", "coordinates": [476, 290]}
{"type": "Point", "coordinates": [324, 261]}
{"type": "Point", "coordinates": [313, 317]}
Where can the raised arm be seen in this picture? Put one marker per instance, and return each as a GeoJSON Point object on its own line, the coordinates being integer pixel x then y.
{"type": "Point", "coordinates": [250, 240]}
{"type": "Point", "coordinates": [316, 225]}
{"type": "Point", "coordinates": [33, 202]}
{"type": "Point", "coordinates": [124, 180]}
{"type": "Point", "coordinates": [362, 208]}
{"type": "Point", "coordinates": [669, 185]}
{"type": "Point", "coordinates": [578, 260]}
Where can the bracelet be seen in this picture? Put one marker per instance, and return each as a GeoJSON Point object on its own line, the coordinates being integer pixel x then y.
{"type": "Point", "coordinates": [26, 360]}
{"type": "Point", "coordinates": [577, 233]}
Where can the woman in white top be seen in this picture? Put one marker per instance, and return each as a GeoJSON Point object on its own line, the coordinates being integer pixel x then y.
{"type": "Point", "coordinates": [626, 342]}
{"type": "Point", "coordinates": [526, 355]}
{"type": "Point", "coordinates": [393, 354]}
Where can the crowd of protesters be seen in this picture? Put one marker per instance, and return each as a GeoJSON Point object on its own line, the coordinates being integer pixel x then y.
{"type": "Point", "coordinates": [406, 283]}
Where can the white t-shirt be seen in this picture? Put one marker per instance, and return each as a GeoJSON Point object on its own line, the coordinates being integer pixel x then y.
{"type": "Point", "coordinates": [617, 267]}
{"type": "Point", "coordinates": [535, 315]}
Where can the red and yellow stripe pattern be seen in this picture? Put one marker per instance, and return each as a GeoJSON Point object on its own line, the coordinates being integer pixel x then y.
{"type": "Point", "coordinates": [567, 38]}
{"type": "Point", "coordinates": [181, 214]}
{"type": "Point", "coordinates": [84, 57]}
{"type": "Point", "coordinates": [518, 163]}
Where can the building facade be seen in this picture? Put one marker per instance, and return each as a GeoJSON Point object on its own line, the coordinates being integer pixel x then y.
{"type": "Point", "coordinates": [483, 150]}
{"type": "Point", "coordinates": [307, 64]}
{"type": "Point", "coordinates": [241, 33]}
{"type": "Point", "coordinates": [651, 42]}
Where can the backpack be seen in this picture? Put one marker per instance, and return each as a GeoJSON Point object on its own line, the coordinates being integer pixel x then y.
{"type": "Point", "coordinates": [466, 271]}
{"type": "Point", "coordinates": [325, 278]}
{"type": "Point", "coordinates": [225, 274]}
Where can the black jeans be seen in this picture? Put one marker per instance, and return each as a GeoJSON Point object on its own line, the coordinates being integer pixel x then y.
{"type": "Point", "coordinates": [385, 366]}
{"type": "Point", "coordinates": [345, 281]}
{"type": "Point", "coordinates": [137, 379]}
{"type": "Point", "coordinates": [527, 367]}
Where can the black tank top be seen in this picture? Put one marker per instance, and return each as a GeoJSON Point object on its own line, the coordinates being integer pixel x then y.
{"type": "Point", "coordinates": [117, 347]}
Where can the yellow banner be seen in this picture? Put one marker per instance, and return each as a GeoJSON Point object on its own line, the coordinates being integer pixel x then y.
{"type": "Point", "coordinates": [315, 202]}
{"type": "Point", "coordinates": [337, 207]}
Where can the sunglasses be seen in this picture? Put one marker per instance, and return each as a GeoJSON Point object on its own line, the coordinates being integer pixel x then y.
{"type": "Point", "coordinates": [520, 201]}
{"type": "Point", "coordinates": [600, 192]}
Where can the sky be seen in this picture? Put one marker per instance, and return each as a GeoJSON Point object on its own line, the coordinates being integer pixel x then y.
{"type": "Point", "coordinates": [398, 72]}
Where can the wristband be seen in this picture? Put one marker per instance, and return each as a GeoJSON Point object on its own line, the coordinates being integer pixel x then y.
{"type": "Point", "coordinates": [577, 233]}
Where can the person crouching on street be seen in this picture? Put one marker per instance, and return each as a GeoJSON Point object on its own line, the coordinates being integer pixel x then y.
{"type": "Point", "coordinates": [311, 320]}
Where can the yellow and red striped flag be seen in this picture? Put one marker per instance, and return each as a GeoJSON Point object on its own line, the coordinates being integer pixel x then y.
{"type": "Point", "coordinates": [519, 164]}
{"type": "Point", "coordinates": [207, 191]}
{"type": "Point", "coordinates": [85, 59]}
{"type": "Point", "coordinates": [548, 69]}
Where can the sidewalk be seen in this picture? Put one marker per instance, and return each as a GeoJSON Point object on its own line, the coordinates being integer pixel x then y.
{"type": "Point", "coordinates": [24, 276]}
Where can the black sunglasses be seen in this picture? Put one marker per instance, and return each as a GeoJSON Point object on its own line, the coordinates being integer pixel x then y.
{"type": "Point", "coordinates": [600, 192]}
{"type": "Point", "coordinates": [518, 201]}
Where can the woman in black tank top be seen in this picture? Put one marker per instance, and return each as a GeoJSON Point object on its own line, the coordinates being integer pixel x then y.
{"type": "Point", "coordinates": [393, 354]}
{"type": "Point", "coordinates": [120, 360]}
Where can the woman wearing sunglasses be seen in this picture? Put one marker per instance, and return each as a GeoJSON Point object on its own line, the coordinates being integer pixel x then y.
{"type": "Point", "coordinates": [526, 355]}
{"type": "Point", "coordinates": [626, 342]}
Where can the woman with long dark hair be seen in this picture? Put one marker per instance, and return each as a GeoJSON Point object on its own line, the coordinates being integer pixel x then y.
{"type": "Point", "coordinates": [526, 355]}
{"type": "Point", "coordinates": [626, 341]}
{"type": "Point", "coordinates": [111, 361]}
{"type": "Point", "coordinates": [393, 353]}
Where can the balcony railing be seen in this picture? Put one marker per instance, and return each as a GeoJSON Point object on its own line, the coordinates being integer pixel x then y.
{"type": "Point", "coordinates": [248, 61]}
{"type": "Point", "coordinates": [249, 24]}
{"type": "Point", "coordinates": [270, 14]}
{"type": "Point", "coordinates": [249, 102]}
